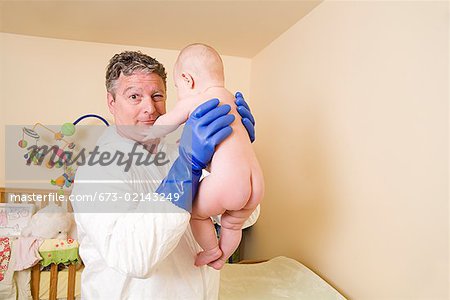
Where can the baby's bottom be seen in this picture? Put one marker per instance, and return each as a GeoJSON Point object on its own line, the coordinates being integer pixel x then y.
{"type": "Point", "coordinates": [214, 253]}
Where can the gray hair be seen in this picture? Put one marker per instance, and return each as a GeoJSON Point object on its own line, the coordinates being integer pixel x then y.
{"type": "Point", "coordinates": [127, 63]}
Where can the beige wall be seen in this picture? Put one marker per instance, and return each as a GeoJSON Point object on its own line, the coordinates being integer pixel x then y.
{"type": "Point", "coordinates": [352, 122]}
{"type": "Point", "coordinates": [55, 81]}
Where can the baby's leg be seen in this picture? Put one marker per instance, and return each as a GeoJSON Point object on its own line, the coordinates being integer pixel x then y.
{"type": "Point", "coordinates": [232, 186]}
{"type": "Point", "coordinates": [232, 222]}
{"type": "Point", "coordinates": [205, 235]}
{"type": "Point", "coordinates": [203, 228]}
{"type": "Point", "coordinates": [214, 193]}
{"type": "Point", "coordinates": [228, 243]}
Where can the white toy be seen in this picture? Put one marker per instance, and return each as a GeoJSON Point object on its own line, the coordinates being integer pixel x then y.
{"type": "Point", "coordinates": [51, 222]}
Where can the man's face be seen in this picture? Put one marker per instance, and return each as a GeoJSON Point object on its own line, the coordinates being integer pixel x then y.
{"type": "Point", "coordinates": [139, 99]}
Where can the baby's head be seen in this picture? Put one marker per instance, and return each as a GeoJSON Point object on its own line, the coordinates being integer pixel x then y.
{"type": "Point", "coordinates": [197, 68]}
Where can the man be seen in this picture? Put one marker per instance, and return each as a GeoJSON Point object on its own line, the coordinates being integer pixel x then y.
{"type": "Point", "coordinates": [135, 239]}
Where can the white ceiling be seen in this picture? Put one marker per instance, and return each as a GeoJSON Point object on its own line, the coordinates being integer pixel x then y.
{"type": "Point", "coordinates": [239, 28]}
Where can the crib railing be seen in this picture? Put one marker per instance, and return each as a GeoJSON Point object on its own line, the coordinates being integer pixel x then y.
{"type": "Point", "coordinates": [36, 281]}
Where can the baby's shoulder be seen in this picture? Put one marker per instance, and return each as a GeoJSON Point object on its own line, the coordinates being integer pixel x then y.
{"type": "Point", "coordinates": [222, 94]}
{"type": "Point", "coordinates": [186, 102]}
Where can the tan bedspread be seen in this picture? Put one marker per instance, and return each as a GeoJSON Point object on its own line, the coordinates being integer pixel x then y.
{"type": "Point", "coordinates": [278, 278]}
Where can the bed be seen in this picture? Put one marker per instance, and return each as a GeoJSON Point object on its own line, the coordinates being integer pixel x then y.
{"type": "Point", "coordinates": [278, 278]}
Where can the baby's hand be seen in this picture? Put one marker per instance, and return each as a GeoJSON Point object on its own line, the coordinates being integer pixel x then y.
{"type": "Point", "coordinates": [154, 132]}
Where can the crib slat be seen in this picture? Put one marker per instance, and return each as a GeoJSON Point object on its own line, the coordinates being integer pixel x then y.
{"type": "Point", "coordinates": [71, 282]}
{"type": "Point", "coordinates": [35, 281]}
{"type": "Point", "coordinates": [53, 282]}
{"type": "Point", "coordinates": [2, 195]}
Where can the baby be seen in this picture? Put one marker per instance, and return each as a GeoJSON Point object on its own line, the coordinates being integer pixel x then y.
{"type": "Point", "coordinates": [231, 191]}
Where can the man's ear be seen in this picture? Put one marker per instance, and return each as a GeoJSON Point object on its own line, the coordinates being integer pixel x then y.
{"type": "Point", "coordinates": [188, 80]}
{"type": "Point", "coordinates": [111, 102]}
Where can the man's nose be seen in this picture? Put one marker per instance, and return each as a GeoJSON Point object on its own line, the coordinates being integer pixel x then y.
{"type": "Point", "coordinates": [148, 106]}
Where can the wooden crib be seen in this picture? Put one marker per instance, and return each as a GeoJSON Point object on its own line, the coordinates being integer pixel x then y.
{"type": "Point", "coordinates": [36, 270]}
{"type": "Point", "coordinates": [53, 288]}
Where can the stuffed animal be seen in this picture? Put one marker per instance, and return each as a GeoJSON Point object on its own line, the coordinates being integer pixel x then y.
{"type": "Point", "coordinates": [50, 222]}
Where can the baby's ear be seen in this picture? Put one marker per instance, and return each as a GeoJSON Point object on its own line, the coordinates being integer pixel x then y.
{"type": "Point", "coordinates": [188, 80]}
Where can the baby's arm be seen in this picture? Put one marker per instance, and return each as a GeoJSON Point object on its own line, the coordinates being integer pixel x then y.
{"type": "Point", "coordinates": [170, 121]}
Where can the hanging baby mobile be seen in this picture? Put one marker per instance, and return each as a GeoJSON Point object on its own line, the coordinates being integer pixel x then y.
{"type": "Point", "coordinates": [59, 157]}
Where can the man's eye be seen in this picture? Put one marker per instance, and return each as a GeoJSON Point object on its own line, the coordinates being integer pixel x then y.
{"type": "Point", "coordinates": [134, 97]}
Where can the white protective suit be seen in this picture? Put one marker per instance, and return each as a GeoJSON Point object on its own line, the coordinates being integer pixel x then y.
{"type": "Point", "coordinates": [130, 254]}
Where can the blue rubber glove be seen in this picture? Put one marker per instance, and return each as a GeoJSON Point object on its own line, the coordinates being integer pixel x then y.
{"type": "Point", "coordinates": [207, 127]}
{"type": "Point", "coordinates": [247, 118]}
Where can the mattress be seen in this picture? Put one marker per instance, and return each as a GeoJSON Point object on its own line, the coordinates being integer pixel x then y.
{"type": "Point", "coordinates": [278, 278]}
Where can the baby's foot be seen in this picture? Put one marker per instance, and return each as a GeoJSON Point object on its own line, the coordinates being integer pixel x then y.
{"type": "Point", "coordinates": [217, 264]}
{"type": "Point", "coordinates": [205, 257]}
